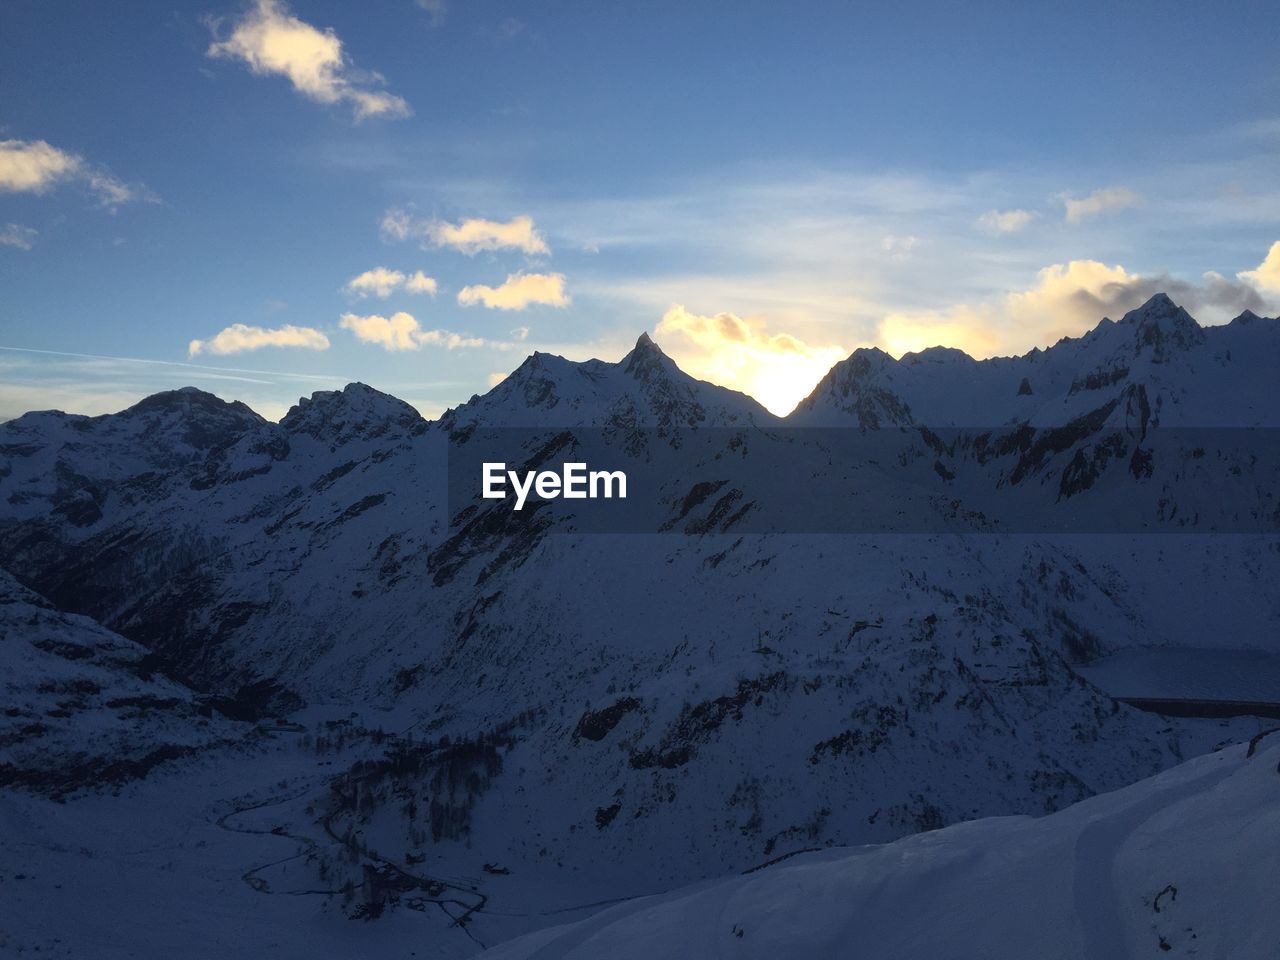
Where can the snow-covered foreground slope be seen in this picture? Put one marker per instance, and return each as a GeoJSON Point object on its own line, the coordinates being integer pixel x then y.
{"type": "Point", "coordinates": [222, 854]}
{"type": "Point", "coordinates": [1178, 865]}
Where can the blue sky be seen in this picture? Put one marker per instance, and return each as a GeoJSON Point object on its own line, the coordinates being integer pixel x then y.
{"type": "Point", "coordinates": [766, 186]}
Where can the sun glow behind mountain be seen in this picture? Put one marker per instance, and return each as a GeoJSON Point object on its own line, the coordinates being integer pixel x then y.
{"type": "Point", "coordinates": [779, 363]}
{"type": "Point", "coordinates": [783, 380]}
{"type": "Point", "coordinates": [777, 369]}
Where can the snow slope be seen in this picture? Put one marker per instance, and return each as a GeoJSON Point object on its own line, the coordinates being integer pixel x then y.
{"type": "Point", "coordinates": [83, 707]}
{"type": "Point", "coordinates": [1178, 865]}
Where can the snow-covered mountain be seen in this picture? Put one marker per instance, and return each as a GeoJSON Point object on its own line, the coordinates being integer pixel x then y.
{"type": "Point", "coordinates": [1191, 376]}
{"type": "Point", "coordinates": [644, 388]}
{"type": "Point", "coordinates": [599, 715]}
{"type": "Point", "coordinates": [86, 708]}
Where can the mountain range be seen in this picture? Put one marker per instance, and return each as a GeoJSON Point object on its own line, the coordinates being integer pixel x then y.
{"type": "Point", "coordinates": [342, 692]}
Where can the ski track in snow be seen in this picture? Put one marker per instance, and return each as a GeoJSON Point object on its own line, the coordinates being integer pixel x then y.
{"type": "Point", "coordinates": [1097, 901]}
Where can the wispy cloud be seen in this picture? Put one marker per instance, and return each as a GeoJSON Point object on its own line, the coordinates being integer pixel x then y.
{"type": "Point", "coordinates": [382, 282]}
{"type": "Point", "coordinates": [35, 166]}
{"type": "Point", "coordinates": [1267, 274]}
{"type": "Point", "coordinates": [1005, 221]}
{"type": "Point", "coordinates": [17, 235]}
{"type": "Point", "coordinates": [452, 341]}
{"type": "Point", "coordinates": [467, 236]}
{"type": "Point", "coordinates": [520, 290]}
{"type": "Point", "coordinates": [241, 338]}
{"type": "Point", "coordinates": [899, 248]}
{"type": "Point", "coordinates": [778, 369]}
{"type": "Point", "coordinates": [437, 10]}
{"type": "Point", "coordinates": [93, 383]}
{"type": "Point", "coordinates": [270, 40]}
{"type": "Point", "coordinates": [1098, 202]}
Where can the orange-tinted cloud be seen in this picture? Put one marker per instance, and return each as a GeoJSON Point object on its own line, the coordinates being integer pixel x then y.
{"type": "Point", "coordinates": [778, 369]}
{"type": "Point", "coordinates": [241, 338]}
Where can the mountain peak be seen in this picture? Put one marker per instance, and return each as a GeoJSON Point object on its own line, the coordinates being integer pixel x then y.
{"type": "Point", "coordinates": [852, 370]}
{"type": "Point", "coordinates": [1163, 326]}
{"type": "Point", "coordinates": [860, 363]}
{"type": "Point", "coordinates": [1246, 318]}
{"type": "Point", "coordinates": [192, 416]}
{"type": "Point", "coordinates": [357, 410]}
{"type": "Point", "coordinates": [186, 400]}
{"type": "Point", "coordinates": [860, 386]}
{"type": "Point", "coordinates": [1157, 304]}
{"type": "Point", "coordinates": [646, 361]}
{"type": "Point", "coordinates": [938, 355]}
{"type": "Point", "coordinates": [644, 388]}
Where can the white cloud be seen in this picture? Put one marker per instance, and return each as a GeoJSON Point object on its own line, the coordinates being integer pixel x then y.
{"type": "Point", "coordinates": [472, 236]}
{"type": "Point", "coordinates": [777, 369]}
{"type": "Point", "coordinates": [419, 282]}
{"type": "Point", "coordinates": [496, 378]}
{"type": "Point", "coordinates": [452, 341]}
{"type": "Point", "coordinates": [1267, 274]}
{"type": "Point", "coordinates": [17, 235]}
{"type": "Point", "coordinates": [240, 338]}
{"type": "Point", "coordinates": [379, 281]}
{"type": "Point", "coordinates": [1100, 201]}
{"type": "Point", "coordinates": [467, 236]}
{"type": "Point", "coordinates": [520, 333]}
{"type": "Point", "coordinates": [34, 166]}
{"type": "Point", "coordinates": [401, 331]}
{"type": "Point", "coordinates": [382, 282]}
{"type": "Point", "coordinates": [520, 290]}
{"type": "Point", "coordinates": [1005, 221]}
{"type": "Point", "coordinates": [270, 40]}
